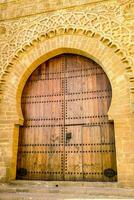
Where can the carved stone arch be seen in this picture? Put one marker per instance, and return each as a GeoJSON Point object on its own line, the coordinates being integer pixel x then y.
{"type": "Point", "coordinates": [48, 45]}
{"type": "Point", "coordinates": [40, 50]}
{"type": "Point", "coordinates": [92, 23]}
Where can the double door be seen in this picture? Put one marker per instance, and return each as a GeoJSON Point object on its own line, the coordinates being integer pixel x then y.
{"type": "Point", "coordinates": [66, 133]}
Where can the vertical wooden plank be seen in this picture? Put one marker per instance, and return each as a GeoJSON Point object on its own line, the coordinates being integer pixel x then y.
{"type": "Point", "coordinates": [73, 148]}
{"type": "Point", "coordinates": [109, 153]}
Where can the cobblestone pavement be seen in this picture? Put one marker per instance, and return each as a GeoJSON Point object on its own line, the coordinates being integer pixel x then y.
{"type": "Point", "coordinates": [43, 190]}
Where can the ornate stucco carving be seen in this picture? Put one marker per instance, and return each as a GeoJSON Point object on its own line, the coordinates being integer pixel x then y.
{"type": "Point", "coordinates": [127, 8]}
{"type": "Point", "coordinates": [105, 20]}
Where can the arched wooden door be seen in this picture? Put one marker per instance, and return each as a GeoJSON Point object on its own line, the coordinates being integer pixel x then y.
{"type": "Point", "coordinates": [66, 133]}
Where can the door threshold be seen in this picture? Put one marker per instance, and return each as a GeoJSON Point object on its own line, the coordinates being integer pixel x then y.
{"type": "Point", "coordinates": [65, 183]}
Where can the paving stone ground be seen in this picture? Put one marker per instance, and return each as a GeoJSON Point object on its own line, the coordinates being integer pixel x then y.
{"type": "Point", "coordinates": [44, 190]}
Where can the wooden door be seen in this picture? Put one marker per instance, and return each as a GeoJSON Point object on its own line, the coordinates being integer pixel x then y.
{"type": "Point", "coordinates": [66, 133]}
{"type": "Point", "coordinates": [40, 154]}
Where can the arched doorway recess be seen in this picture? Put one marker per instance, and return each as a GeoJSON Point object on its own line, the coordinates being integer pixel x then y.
{"type": "Point", "coordinates": [66, 133]}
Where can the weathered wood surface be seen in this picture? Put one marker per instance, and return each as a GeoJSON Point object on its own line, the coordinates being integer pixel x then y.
{"type": "Point", "coordinates": [66, 133]}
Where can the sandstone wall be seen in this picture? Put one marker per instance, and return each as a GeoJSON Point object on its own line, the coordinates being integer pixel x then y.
{"type": "Point", "coordinates": [25, 26]}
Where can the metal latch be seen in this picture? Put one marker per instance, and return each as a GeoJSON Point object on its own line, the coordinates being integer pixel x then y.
{"type": "Point", "coordinates": [68, 136]}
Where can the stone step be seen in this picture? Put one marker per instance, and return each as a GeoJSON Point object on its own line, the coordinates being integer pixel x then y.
{"type": "Point", "coordinates": [61, 189]}
{"type": "Point", "coordinates": [64, 183]}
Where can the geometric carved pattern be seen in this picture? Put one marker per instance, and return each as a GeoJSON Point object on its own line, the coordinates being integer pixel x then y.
{"type": "Point", "coordinates": [106, 21]}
